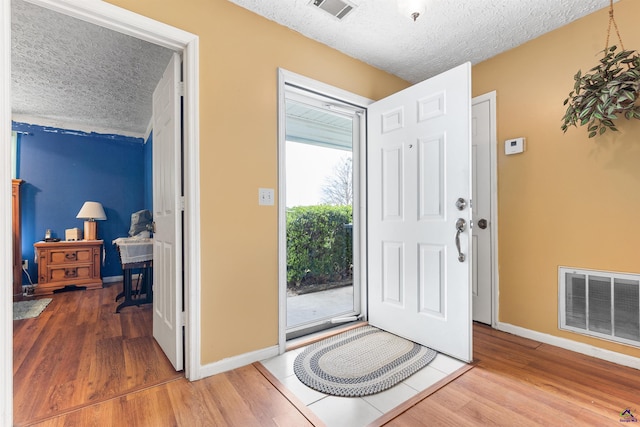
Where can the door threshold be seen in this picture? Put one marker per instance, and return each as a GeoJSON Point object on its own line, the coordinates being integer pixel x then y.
{"type": "Point", "coordinates": [319, 336]}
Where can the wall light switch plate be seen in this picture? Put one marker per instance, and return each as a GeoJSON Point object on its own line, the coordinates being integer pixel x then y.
{"type": "Point", "coordinates": [266, 196]}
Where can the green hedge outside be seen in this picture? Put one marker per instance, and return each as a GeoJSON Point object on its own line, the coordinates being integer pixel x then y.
{"type": "Point", "coordinates": [319, 244]}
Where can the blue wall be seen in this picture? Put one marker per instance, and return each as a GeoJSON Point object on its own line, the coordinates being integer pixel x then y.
{"type": "Point", "coordinates": [62, 169]}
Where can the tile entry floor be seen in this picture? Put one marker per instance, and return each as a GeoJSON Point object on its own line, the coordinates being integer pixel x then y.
{"type": "Point", "coordinates": [358, 411]}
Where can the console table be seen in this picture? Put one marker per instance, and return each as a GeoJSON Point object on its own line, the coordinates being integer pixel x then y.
{"type": "Point", "coordinates": [73, 263]}
{"type": "Point", "coordinates": [136, 254]}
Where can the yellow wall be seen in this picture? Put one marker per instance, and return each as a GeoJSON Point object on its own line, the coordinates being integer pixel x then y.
{"type": "Point", "coordinates": [568, 200]}
{"type": "Point", "coordinates": [239, 56]}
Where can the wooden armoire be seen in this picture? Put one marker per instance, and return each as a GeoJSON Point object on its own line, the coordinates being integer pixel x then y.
{"type": "Point", "coordinates": [17, 238]}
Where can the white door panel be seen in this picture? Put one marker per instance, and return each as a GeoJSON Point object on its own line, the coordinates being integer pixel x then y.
{"type": "Point", "coordinates": [167, 214]}
{"type": "Point", "coordinates": [482, 262]}
{"type": "Point", "coordinates": [419, 164]}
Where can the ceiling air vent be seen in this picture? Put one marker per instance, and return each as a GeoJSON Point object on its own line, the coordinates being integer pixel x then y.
{"type": "Point", "coordinates": [337, 8]}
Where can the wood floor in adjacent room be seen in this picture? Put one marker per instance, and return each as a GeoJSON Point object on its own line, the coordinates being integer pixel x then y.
{"type": "Point", "coordinates": [79, 351]}
{"type": "Point", "coordinates": [514, 381]}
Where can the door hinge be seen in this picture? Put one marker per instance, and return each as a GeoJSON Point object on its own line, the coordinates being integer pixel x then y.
{"type": "Point", "coordinates": [181, 88]}
{"type": "Point", "coordinates": [182, 203]}
{"type": "Point", "coordinates": [183, 321]}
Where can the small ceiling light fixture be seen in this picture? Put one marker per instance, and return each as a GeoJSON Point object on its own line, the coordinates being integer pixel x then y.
{"type": "Point", "coordinates": [412, 8]}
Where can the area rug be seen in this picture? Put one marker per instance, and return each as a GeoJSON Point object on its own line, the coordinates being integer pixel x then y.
{"type": "Point", "coordinates": [29, 309]}
{"type": "Point", "coordinates": [360, 362]}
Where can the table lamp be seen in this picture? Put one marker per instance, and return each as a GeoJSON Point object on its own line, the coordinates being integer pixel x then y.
{"type": "Point", "coordinates": [91, 211]}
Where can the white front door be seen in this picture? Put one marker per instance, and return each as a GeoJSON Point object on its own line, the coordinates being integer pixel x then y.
{"type": "Point", "coordinates": [167, 214]}
{"type": "Point", "coordinates": [482, 282]}
{"type": "Point", "coordinates": [419, 164]}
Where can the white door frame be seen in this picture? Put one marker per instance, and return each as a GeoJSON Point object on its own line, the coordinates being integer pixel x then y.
{"type": "Point", "coordinates": [124, 21]}
{"type": "Point", "coordinates": [297, 80]}
{"type": "Point", "coordinates": [493, 220]}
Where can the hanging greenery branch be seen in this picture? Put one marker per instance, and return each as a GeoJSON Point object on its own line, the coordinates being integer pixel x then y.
{"type": "Point", "coordinates": [608, 91]}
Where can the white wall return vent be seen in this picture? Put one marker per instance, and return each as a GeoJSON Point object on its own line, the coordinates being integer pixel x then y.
{"type": "Point", "coordinates": [601, 304]}
{"type": "Point", "coordinates": [337, 8]}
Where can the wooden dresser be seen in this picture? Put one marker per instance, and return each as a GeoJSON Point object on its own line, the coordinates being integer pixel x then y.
{"type": "Point", "coordinates": [63, 264]}
{"type": "Point", "coordinates": [17, 237]}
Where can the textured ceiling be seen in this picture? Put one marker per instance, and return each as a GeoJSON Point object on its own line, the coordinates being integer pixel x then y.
{"type": "Point", "coordinates": [68, 71]}
{"type": "Point", "coordinates": [449, 33]}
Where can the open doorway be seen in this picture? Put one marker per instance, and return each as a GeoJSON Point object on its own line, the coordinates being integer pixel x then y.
{"type": "Point", "coordinates": [430, 147]}
{"type": "Point", "coordinates": [118, 19]}
{"type": "Point", "coordinates": [321, 128]}
{"type": "Point", "coordinates": [321, 155]}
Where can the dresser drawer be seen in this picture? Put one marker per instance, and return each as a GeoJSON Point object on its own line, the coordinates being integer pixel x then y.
{"type": "Point", "coordinates": [69, 256]}
{"type": "Point", "coordinates": [61, 264]}
{"type": "Point", "coordinates": [76, 272]}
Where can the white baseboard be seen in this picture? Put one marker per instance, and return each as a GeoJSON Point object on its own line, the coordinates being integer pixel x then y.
{"type": "Point", "coordinates": [234, 362]}
{"type": "Point", "coordinates": [567, 344]}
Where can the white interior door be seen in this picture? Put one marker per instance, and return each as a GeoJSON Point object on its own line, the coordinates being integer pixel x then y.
{"type": "Point", "coordinates": [482, 256]}
{"type": "Point", "coordinates": [167, 214]}
{"type": "Point", "coordinates": [419, 165]}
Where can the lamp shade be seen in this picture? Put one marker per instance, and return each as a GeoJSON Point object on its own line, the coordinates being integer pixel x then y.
{"type": "Point", "coordinates": [92, 211]}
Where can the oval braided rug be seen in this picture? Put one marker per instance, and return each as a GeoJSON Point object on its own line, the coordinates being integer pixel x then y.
{"type": "Point", "coordinates": [360, 362]}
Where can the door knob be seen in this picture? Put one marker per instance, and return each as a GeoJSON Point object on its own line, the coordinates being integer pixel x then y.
{"type": "Point", "coordinates": [461, 204]}
{"type": "Point", "coordinates": [482, 223]}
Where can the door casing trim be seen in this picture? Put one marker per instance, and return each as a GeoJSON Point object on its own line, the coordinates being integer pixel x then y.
{"type": "Point", "coordinates": [124, 21]}
{"type": "Point", "coordinates": [6, 259]}
{"type": "Point", "coordinates": [287, 77]}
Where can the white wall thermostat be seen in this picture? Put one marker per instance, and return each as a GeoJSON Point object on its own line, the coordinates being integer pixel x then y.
{"type": "Point", "coordinates": [514, 146]}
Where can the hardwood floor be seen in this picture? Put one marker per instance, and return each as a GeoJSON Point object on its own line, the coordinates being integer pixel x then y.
{"type": "Point", "coordinates": [242, 397]}
{"type": "Point", "coordinates": [514, 381]}
{"type": "Point", "coordinates": [79, 351]}
{"type": "Point", "coordinates": [517, 381]}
